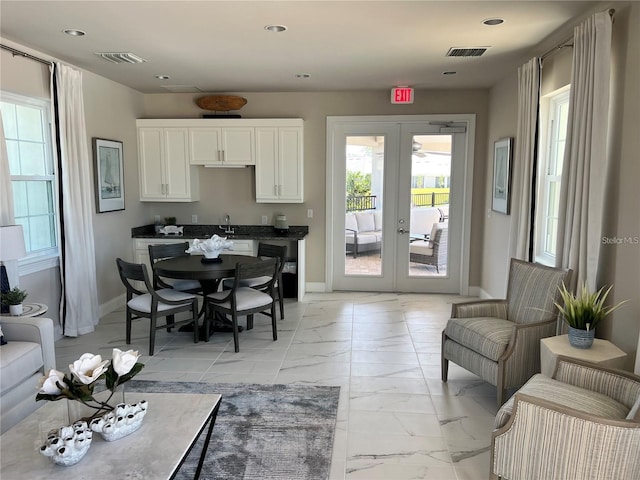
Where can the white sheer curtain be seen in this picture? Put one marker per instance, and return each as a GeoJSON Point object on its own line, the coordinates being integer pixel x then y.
{"type": "Point", "coordinates": [585, 166]}
{"type": "Point", "coordinates": [6, 195]}
{"type": "Point", "coordinates": [79, 310]}
{"type": "Point", "coordinates": [6, 204]}
{"type": "Point", "coordinates": [524, 164]}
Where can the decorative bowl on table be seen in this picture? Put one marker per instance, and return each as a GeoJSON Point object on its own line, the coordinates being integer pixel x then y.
{"type": "Point", "coordinates": [211, 248]}
{"type": "Point", "coordinates": [68, 445]}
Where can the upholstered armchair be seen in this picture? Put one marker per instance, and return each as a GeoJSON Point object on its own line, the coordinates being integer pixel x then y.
{"type": "Point", "coordinates": [581, 424]}
{"type": "Point", "coordinates": [499, 340]}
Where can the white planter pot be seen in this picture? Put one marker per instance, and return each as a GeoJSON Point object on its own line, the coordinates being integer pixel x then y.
{"type": "Point", "coordinates": [15, 309]}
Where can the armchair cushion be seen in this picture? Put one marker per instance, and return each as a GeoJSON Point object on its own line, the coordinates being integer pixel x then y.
{"type": "Point", "coordinates": [581, 399]}
{"type": "Point", "coordinates": [366, 222]}
{"type": "Point", "coordinates": [19, 359]}
{"type": "Point", "coordinates": [484, 335]}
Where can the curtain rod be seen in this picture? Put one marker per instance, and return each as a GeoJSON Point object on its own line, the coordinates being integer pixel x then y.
{"type": "Point", "coordinates": [566, 43]}
{"type": "Point", "coordinates": [19, 53]}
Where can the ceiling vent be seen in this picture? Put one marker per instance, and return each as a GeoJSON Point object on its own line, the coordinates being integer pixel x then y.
{"type": "Point", "coordinates": [121, 57]}
{"type": "Point", "coordinates": [466, 51]}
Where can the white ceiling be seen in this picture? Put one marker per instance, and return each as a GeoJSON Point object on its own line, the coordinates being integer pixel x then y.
{"type": "Point", "coordinates": [222, 46]}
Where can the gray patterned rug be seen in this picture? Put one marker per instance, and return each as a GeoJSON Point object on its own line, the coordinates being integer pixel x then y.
{"type": "Point", "coordinates": [263, 432]}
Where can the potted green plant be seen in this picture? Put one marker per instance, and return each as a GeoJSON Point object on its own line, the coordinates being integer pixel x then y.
{"type": "Point", "coordinates": [583, 311]}
{"type": "Point", "coordinates": [170, 220]}
{"type": "Point", "coordinates": [14, 299]}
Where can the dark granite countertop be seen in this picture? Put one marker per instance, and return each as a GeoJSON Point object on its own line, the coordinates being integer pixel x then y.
{"type": "Point", "coordinates": [249, 232]}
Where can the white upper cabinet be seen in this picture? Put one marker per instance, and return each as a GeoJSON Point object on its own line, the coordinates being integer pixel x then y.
{"type": "Point", "coordinates": [164, 170]}
{"type": "Point", "coordinates": [279, 164]}
{"type": "Point", "coordinates": [222, 147]}
{"type": "Point", "coordinates": [170, 150]}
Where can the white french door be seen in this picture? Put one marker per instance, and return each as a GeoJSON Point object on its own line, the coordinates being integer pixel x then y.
{"type": "Point", "coordinates": [391, 179]}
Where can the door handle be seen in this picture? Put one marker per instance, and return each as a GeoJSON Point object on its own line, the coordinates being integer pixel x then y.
{"type": "Point", "coordinates": [401, 231]}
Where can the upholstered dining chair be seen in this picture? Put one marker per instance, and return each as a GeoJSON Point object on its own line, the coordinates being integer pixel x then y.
{"type": "Point", "coordinates": [267, 250]}
{"type": "Point", "coordinates": [171, 250]}
{"type": "Point", "coordinates": [499, 340]}
{"type": "Point", "coordinates": [153, 304]}
{"type": "Point", "coordinates": [241, 300]}
{"type": "Point", "coordinates": [581, 424]}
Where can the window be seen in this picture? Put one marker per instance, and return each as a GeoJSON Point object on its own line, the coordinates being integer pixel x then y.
{"type": "Point", "coordinates": [554, 117]}
{"type": "Point", "coordinates": [28, 138]}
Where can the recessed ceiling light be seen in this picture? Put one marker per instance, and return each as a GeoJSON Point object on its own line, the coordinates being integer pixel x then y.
{"type": "Point", "coordinates": [493, 21]}
{"type": "Point", "coordinates": [74, 32]}
{"type": "Point", "coordinates": [275, 28]}
{"type": "Point", "coordinates": [449, 73]}
{"type": "Point", "coordinates": [303, 75]}
{"type": "Point", "coordinates": [162, 77]}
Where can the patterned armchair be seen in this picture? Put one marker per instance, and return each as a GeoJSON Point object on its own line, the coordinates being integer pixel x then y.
{"type": "Point", "coordinates": [581, 424]}
{"type": "Point", "coordinates": [499, 340]}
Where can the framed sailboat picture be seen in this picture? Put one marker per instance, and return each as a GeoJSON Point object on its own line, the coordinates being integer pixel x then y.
{"type": "Point", "coordinates": [109, 175]}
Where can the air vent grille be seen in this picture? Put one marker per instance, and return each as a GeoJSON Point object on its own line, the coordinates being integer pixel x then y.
{"type": "Point", "coordinates": [466, 51]}
{"type": "Point", "coordinates": [121, 57]}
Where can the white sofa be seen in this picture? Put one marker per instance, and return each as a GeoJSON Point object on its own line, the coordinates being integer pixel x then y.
{"type": "Point", "coordinates": [363, 231]}
{"type": "Point", "coordinates": [29, 353]}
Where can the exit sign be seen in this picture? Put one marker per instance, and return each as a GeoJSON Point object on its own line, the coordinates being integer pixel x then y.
{"type": "Point", "coordinates": [402, 95]}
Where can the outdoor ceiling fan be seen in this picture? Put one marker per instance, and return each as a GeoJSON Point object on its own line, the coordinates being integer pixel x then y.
{"type": "Point", "coordinates": [415, 148]}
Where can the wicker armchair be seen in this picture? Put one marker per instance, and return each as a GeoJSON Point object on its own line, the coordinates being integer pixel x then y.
{"type": "Point", "coordinates": [499, 340]}
{"type": "Point", "coordinates": [433, 251]}
{"type": "Point", "coordinates": [582, 424]}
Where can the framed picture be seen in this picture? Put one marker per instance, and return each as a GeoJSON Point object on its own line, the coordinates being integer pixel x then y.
{"type": "Point", "coordinates": [109, 175]}
{"type": "Point", "coordinates": [502, 155]}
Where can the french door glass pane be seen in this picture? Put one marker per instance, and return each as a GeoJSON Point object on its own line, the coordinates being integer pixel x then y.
{"type": "Point", "coordinates": [364, 174]}
{"type": "Point", "coordinates": [429, 190]}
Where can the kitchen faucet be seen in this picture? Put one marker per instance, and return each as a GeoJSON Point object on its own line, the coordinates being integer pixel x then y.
{"type": "Point", "coordinates": [227, 228]}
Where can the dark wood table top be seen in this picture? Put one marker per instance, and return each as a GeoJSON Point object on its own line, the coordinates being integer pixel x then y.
{"type": "Point", "coordinates": [192, 267]}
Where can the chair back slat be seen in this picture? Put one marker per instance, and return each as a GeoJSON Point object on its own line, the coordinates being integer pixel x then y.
{"type": "Point", "coordinates": [273, 251]}
{"type": "Point", "coordinates": [133, 272]}
{"type": "Point", "coordinates": [266, 267]}
{"type": "Point", "coordinates": [171, 250]}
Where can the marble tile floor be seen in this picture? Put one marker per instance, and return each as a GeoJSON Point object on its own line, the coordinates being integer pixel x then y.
{"type": "Point", "coordinates": [396, 419]}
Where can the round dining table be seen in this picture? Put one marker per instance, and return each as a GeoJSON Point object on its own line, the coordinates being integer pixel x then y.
{"type": "Point", "coordinates": [208, 273]}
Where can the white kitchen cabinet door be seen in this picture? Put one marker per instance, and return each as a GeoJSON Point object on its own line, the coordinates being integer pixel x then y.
{"type": "Point", "coordinates": [164, 170]}
{"type": "Point", "coordinates": [205, 146]}
{"type": "Point", "coordinates": [221, 147]}
{"type": "Point", "coordinates": [290, 173]}
{"type": "Point", "coordinates": [237, 146]}
{"type": "Point", "coordinates": [178, 182]}
{"type": "Point", "coordinates": [279, 165]}
{"type": "Point", "coordinates": [150, 161]}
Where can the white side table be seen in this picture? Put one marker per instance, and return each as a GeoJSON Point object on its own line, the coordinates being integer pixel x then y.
{"type": "Point", "coordinates": [30, 310]}
{"type": "Point", "coordinates": [602, 352]}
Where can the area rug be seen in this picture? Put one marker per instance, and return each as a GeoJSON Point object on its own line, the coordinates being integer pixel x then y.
{"type": "Point", "coordinates": [263, 432]}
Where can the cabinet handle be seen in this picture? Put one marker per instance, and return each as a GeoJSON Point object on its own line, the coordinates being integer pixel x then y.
{"type": "Point", "coordinates": [222, 155]}
{"type": "Point", "coordinates": [280, 190]}
{"type": "Point", "coordinates": [166, 190]}
{"type": "Point", "coordinates": [275, 190]}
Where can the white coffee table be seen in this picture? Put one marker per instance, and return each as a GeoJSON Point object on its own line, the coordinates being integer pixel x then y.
{"type": "Point", "coordinates": [602, 352]}
{"type": "Point", "coordinates": [171, 427]}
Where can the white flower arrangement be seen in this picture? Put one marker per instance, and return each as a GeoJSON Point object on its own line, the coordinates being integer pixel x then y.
{"type": "Point", "coordinates": [211, 247]}
{"type": "Point", "coordinates": [85, 373]}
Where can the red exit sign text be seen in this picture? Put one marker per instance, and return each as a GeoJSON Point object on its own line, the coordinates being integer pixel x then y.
{"type": "Point", "coordinates": [402, 95]}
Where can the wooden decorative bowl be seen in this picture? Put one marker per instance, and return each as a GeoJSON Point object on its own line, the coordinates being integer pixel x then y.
{"type": "Point", "coordinates": [221, 103]}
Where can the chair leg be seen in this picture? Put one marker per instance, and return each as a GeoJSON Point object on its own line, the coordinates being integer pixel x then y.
{"type": "Point", "coordinates": [273, 321]}
{"type": "Point", "coordinates": [444, 363]}
{"type": "Point", "coordinates": [152, 334]}
{"type": "Point", "coordinates": [281, 298]}
{"type": "Point", "coordinates": [196, 328]}
{"type": "Point", "coordinates": [236, 341]}
{"type": "Point", "coordinates": [170, 321]}
{"type": "Point", "coordinates": [206, 320]}
{"type": "Point", "coordinates": [249, 322]}
{"type": "Point", "coordinates": [128, 327]}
